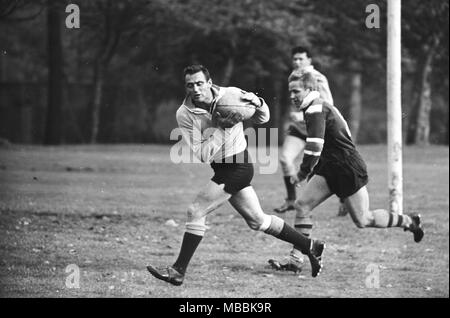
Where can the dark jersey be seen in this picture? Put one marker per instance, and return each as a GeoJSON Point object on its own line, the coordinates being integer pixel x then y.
{"type": "Point", "coordinates": [327, 134]}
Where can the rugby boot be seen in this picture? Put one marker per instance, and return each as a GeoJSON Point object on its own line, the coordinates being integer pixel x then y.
{"type": "Point", "coordinates": [315, 257]}
{"type": "Point", "coordinates": [288, 205]}
{"type": "Point", "coordinates": [167, 274]}
{"type": "Point", "coordinates": [416, 227]}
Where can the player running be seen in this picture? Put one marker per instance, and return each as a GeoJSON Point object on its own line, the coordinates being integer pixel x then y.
{"type": "Point", "coordinates": [292, 150]}
{"type": "Point", "coordinates": [221, 142]}
{"type": "Point", "coordinates": [332, 165]}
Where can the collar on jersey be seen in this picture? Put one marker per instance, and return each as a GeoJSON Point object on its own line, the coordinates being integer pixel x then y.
{"type": "Point", "coordinates": [308, 69]}
{"type": "Point", "coordinates": [309, 99]}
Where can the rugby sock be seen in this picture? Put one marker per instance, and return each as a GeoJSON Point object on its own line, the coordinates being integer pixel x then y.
{"type": "Point", "coordinates": [276, 226]}
{"type": "Point", "coordinates": [304, 226]}
{"type": "Point", "coordinates": [383, 219]}
{"type": "Point", "coordinates": [300, 242]}
{"type": "Point", "coordinates": [399, 220]}
{"type": "Point", "coordinates": [188, 247]}
{"type": "Point", "coordinates": [290, 188]}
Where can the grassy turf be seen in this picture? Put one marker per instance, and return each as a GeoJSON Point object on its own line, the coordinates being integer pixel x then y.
{"type": "Point", "coordinates": [105, 209]}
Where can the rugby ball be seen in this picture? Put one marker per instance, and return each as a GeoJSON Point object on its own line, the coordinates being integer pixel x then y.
{"type": "Point", "coordinates": [232, 101]}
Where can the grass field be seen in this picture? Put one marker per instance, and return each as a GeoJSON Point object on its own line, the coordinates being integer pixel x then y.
{"type": "Point", "coordinates": [105, 209]}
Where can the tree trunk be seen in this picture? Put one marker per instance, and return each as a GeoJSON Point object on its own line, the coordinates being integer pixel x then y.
{"type": "Point", "coordinates": [26, 123]}
{"type": "Point", "coordinates": [411, 132]}
{"type": "Point", "coordinates": [447, 130]}
{"type": "Point", "coordinates": [104, 56]}
{"type": "Point", "coordinates": [424, 107]}
{"type": "Point", "coordinates": [228, 72]}
{"type": "Point", "coordinates": [55, 75]}
{"type": "Point", "coordinates": [275, 110]}
{"type": "Point", "coordinates": [355, 104]}
{"type": "Point", "coordinates": [229, 67]}
{"type": "Point", "coordinates": [419, 125]}
{"type": "Point", "coordinates": [97, 100]}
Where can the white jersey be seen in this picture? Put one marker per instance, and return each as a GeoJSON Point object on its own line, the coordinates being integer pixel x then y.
{"type": "Point", "coordinates": [208, 142]}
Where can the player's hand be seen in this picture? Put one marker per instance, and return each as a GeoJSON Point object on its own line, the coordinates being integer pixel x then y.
{"type": "Point", "coordinates": [252, 98]}
{"type": "Point", "coordinates": [294, 180]}
{"type": "Point", "coordinates": [296, 116]}
{"type": "Point", "coordinates": [226, 121]}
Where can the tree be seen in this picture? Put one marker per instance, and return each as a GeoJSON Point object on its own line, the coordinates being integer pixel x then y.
{"type": "Point", "coordinates": [425, 29]}
{"type": "Point", "coordinates": [55, 74]}
{"type": "Point", "coordinates": [9, 9]}
{"type": "Point", "coordinates": [250, 39]}
{"type": "Point", "coordinates": [355, 48]}
{"type": "Point", "coordinates": [108, 21]}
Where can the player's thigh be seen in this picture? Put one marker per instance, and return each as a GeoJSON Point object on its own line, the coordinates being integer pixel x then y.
{"type": "Point", "coordinates": [358, 206]}
{"type": "Point", "coordinates": [247, 204]}
{"type": "Point", "coordinates": [292, 147]}
{"type": "Point", "coordinates": [314, 192]}
{"type": "Point", "coordinates": [208, 199]}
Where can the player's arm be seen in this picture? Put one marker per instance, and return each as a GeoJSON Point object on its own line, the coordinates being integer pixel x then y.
{"type": "Point", "coordinates": [262, 112]}
{"type": "Point", "coordinates": [204, 146]}
{"type": "Point", "coordinates": [324, 89]}
{"type": "Point", "coordinates": [315, 125]}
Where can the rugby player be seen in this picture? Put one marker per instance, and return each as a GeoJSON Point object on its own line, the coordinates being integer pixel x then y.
{"type": "Point", "coordinates": [220, 141]}
{"type": "Point", "coordinates": [332, 165]}
{"type": "Point", "coordinates": [293, 147]}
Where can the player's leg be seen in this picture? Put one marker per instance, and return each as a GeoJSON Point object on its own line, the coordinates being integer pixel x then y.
{"type": "Point", "coordinates": [311, 195]}
{"type": "Point", "coordinates": [292, 148]}
{"type": "Point", "coordinates": [209, 199]}
{"type": "Point", "coordinates": [359, 209]}
{"type": "Point", "coordinates": [342, 211]}
{"type": "Point", "coordinates": [246, 202]}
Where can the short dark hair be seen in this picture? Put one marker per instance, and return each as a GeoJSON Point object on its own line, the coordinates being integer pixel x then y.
{"type": "Point", "coordinates": [195, 68]}
{"type": "Point", "coordinates": [301, 49]}
{"type": "Point", "coordinates": [307, 80]}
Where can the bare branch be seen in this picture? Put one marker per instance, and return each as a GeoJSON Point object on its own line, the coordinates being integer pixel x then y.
{"type": "Point", "coordinates": [23, 18]}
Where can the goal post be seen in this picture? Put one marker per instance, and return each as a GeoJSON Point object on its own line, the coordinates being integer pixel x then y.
{"type": "Point", "coordinates": [394, 107]}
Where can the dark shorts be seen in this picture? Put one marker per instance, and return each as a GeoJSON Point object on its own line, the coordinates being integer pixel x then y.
{"type": "Point", "coordinates": [298, 130]}
{"type": "Point", "coordinates": [235, 172]}
{"type": "Point", "coordinates": [345, 173]}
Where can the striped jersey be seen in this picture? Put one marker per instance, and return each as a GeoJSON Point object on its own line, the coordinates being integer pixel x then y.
{"type": "Point", "coordinates": [327, 132]}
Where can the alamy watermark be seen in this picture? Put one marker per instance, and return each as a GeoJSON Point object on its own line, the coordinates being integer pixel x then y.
{"type": "Point", "coordinates": [73, 18]}
{"type": "Point", "coordinates": [373, 19]}
{"type": "Point", "coordinates": [373, 279]}
{"type": "Point", "coordinates": [262, 146]}
{"type": "Point", "coordinates": [73, 279]}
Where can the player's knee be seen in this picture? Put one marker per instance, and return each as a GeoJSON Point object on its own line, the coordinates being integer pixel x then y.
{"type": "Point", "coordinates": [195, 221]}
{"type": "Point", "coordinates": [255, 224]}
{"type": "Point", "coordinates": [287, 166]}
{"type": "Point", "coordinates": [302, 206]}
{"type": "Point", "coordinates": [361, 222]}
{"type": "Point", "coordinates": [271, 224]}
{"type": "Point", "coordinates": [285, 160]}
{"type": "Point", "coordinates": [194, 213]}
